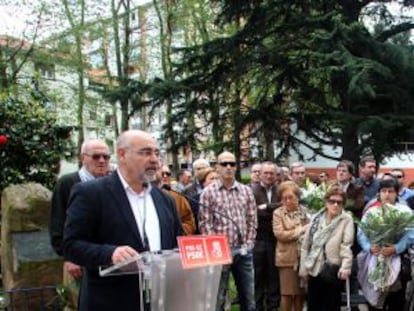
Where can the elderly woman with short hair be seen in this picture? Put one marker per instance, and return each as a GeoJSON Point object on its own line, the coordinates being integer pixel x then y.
{"type": "Point", "coordinates": [326, 256]}
{"type": "Point", "coordinates": [289, 224]}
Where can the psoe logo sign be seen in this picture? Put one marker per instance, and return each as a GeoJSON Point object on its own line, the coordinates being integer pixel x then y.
{"type": "Point", "coordinates": [204, 250]}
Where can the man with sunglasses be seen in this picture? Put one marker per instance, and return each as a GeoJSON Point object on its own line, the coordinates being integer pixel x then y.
{"type": "Point", "coordinates": [404, 193]}
{"type": "Point", "coordinates": [228, 207]}
{"type": "Point", "coordinates": [95, 163]}
{"type": "Point", "coordinates": [181, 202]}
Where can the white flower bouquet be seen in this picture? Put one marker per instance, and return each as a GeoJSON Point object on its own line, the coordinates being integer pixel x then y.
{"type": "Point", "coordinates": [313, 196]}
{"type": "Point", "coordinates": [385, 226]}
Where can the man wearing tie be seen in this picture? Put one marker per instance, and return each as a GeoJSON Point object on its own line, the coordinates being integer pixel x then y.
{"type": "Point", "coordinates": [115, 218]}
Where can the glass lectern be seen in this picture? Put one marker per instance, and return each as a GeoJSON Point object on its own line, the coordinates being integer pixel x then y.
{"type": "Point", "coordinates": [166, 286]}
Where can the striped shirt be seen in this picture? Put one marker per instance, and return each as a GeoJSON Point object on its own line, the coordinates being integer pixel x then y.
{"type": "Point", "coordinates": [229, 212]}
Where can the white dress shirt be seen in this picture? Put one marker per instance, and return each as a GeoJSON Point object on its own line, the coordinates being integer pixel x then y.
{"type": "Point", "coordinates": [145, 214]}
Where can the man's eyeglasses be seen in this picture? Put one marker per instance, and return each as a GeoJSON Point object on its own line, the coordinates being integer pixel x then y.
{"type": "Point", "coordinates": [335, 202]}
{"type": "Point", "coordinates": [226, 163]}
{"type": "Point", "coordinates": [98, 156]}
{"type": "Point", "coordinates": [256, 172]}
{"type": "Point", "coordinates": [397, 176]}
{"type": "Point", "coordinates": [147, 152]}
{"type": "Point", "coordinates": [166, 174]}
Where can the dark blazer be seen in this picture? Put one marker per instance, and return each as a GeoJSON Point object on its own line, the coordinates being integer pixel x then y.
{"type": "Point", "coordinates": [355, 199]}
{"type": "Point", "coordinates": [60, 200]}
{"type": "Point", "coordinates": [99, 219]}
{"type": "Point", "coordinates": [265, 216]}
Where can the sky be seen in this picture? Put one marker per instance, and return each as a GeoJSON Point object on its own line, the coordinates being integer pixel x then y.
{"type": "Point", "coordinates": [17, 17]}
{"type": "Point", "coordinates": [13, 19]}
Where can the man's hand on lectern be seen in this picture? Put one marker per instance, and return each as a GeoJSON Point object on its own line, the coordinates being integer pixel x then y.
{"type": "Point", "coordinates": [123, 253]}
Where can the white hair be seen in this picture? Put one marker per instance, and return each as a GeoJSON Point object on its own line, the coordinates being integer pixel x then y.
{"type": "Point", "coordinates": [87, 143]}
{"type": "Point", "coordinates": [201, 162]}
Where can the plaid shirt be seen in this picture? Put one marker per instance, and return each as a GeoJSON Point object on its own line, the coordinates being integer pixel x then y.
{"type": "Point", "coordinates": [219, 206]}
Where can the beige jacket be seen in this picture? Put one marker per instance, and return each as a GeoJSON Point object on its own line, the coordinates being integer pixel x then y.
{"type": "Point", "coordinates": [337, 248]}
{"type": "Point", "coordinates": [288, 228]}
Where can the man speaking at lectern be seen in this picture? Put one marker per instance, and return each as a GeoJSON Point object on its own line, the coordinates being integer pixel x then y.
{"type": "Point", "coordinates": [115, 218]}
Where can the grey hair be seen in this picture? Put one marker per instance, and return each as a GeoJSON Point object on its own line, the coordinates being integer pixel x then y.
{"type": "Point", "coordinates": [296, 164]}
{"type": "Point", "coordinates": [201, 161]}
{"type": "Point", "coordinates": [123, 140]}
{"type": "Point", "coordinates": [270, 163]}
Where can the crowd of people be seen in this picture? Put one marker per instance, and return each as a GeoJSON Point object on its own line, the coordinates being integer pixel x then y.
{"type": "Point", "coordinates": [285, 257]}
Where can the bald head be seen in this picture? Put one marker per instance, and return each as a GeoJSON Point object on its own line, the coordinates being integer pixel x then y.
{"type": "Point", "coordinates": [226, 155]}
{"type": "Point", "coordinates": [138, 157]}
{"type": "Point", "coordinates": [125, 139]}
{"type": "Point", "coordinates": [91, 143]}
{"type": "Point", "coordinates": [226, 167]}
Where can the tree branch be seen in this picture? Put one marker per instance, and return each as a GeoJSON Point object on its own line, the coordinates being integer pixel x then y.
{"type": "Point", "coordinates": [316, 150]}
{"type": "Point", "coordinates": [386, 34]}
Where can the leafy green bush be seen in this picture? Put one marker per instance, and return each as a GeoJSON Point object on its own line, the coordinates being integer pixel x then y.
{"type": "Point", "coordinates": [35, 144]}
{"type": "Point", "coordinates": [245, 180]}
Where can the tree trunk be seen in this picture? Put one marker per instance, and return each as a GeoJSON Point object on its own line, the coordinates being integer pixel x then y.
{"type": "Point", "coordinates": [237, 132]}
{"type": "Point", "coordinates": [350, 145]}
{"type": "Point", "coordinates": [269, 138]}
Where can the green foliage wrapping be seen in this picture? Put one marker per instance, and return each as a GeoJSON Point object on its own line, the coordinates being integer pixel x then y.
{"type": "Point", "coordinates": [386, 226]}
{"type": "Point", "coordinates": [35, 144]}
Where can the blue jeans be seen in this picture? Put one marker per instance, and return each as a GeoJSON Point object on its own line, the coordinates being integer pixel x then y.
{"type": "Point", "coordinates": [243, 273]}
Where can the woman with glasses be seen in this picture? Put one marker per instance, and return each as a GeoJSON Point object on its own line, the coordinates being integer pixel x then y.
{"type": "Point", "coordinates": [326, 256]}
{"type": "Point", "coordinates": [290, 222]}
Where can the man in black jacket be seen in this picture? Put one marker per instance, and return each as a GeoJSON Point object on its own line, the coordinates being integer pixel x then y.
{"type": "Point", "coordinates": [266, 274]}
{"type": "Point", "coordinates": [114, 218]}
{"type": "Point", "coordinates": [95, 163]}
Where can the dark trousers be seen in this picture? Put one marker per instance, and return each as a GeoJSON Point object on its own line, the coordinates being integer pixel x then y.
{"type": "Point", "coordinates": [323, 296]}
{"type": "Point", "coordinates": [266, 277]}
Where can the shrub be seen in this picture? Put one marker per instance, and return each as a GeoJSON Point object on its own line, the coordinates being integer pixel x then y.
{"type": "Point", "coordinates": [34, 144]}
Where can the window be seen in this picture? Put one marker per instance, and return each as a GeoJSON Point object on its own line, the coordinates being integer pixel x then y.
{"type": "Point", "coordinates": [46, 71]}
{"type": "Point", "coordinates": [92, 115]}
{"type": "Point", "coordinates": [109, 120]}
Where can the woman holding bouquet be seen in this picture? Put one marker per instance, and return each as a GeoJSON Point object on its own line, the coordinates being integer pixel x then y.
{"type": "Point", "coordinates": [384, 233]}
{"type": "Point", "coordinates": [326, 256]}
{"type": "Point", "coordinates": [289, 224]}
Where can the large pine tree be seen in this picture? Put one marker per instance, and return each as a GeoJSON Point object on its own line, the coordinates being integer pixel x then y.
{"type": "Point", "coordinates": [314, 63]}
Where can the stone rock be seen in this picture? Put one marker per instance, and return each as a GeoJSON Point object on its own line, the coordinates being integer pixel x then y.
{"type": "Point", "coordinates": [28, 260]}
{"type": "Point", "coordinates": [25, 207]}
